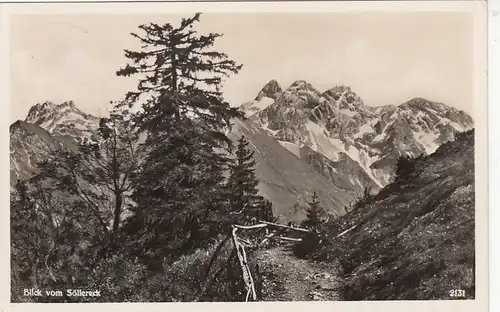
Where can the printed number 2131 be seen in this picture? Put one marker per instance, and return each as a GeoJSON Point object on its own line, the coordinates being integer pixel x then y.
{"type": "Point", "coordinates": [457, 293]}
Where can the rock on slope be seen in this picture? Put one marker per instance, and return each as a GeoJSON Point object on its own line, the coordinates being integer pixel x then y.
{"type": "Point", "coordinates": [415, 240]}
{"type": "Point", "coordinates": [340, 136]}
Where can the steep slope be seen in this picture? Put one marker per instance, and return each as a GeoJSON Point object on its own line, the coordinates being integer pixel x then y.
{"type": "Point", "coordinates": [415, 240]}
{"type": "Point", "coordinates": [363, 141]}
{"type": "Point", "coordinates": [287, 180]}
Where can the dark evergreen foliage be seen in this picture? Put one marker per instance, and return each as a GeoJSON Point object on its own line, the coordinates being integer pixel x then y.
{"type": "Point", "coordinates": [180, 76]}
{"type": "Point", "coordinates": [180, 191]}
{"type": "Point", "coordinates": [365, 198]}
{"type": "Point", "coordinates": [244, 198]}
{"type": "Point", "coordinates": [267, 212]}
{"type": "Point", "coordinates": [243, 181]}
{"type": "Point", "coordinates": [309, 244]}
{"type": "Point", "coordinates": [404, 168]}
{"type": "Point", "coordinates": [314, 213]}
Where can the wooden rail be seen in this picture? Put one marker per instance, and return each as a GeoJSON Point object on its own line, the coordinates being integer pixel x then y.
{"type": "Point", "coordinates": [239, 246]}
{"type": "Point", "coordinates": [239, 249]}
{"type": "Point", "coordinates": [285, 226]}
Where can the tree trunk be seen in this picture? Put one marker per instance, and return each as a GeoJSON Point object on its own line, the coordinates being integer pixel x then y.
{"type": "Point", "coordinates": [173, 58]}
{"type": "Point", "coordinates": [117, 212]}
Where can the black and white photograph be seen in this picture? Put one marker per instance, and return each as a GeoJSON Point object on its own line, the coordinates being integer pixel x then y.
{"type": "Point", "coordinates": [229, 156]}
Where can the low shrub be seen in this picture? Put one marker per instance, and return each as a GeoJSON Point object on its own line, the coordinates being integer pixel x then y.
{"type": "Point", "coordinates": [310, 243]}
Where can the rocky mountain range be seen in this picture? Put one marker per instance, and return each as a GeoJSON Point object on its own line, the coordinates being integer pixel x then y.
{"type": "Point", "coordinates": [353, 144]}
{"type": "Point", "coordinates": [305, 141]}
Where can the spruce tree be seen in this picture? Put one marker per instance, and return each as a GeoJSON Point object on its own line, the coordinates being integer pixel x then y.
{"type": "Point", "coordinates": [180, 189]}
{"type": "Point", "coordinates": [267, 212]}
{"type": "Point", "coordinates": [246, 205]}
{"type": "Point", "coordinates": [313, 218]}
{"type": "Point", "coordinates": [243, 181]}
{"type": "Point", "coordinates": [179, 76]}
{"type": "Point", "coordinates": [243, 187]}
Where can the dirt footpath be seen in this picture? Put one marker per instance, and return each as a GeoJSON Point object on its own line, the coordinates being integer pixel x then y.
{"type": "Point", "coordinates": [288, 278]}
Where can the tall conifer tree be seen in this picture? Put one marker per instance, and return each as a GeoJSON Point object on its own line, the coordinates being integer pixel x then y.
{"type": "Point", "coordinates": [243, 181]}
{"type": "Point", "coordinates": [180, 189]}
{"type": "Point", "coordinates": [244, 197]}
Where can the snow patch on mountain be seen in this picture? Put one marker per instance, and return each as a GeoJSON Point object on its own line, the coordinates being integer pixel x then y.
{"type": "Point", "coordinates": [364, 129]}
{"type": "Point", "coordinates": [292, 147]}
{"type": "Point", "coordinates": [457, 127]}
{"type": "Point", "coordinates": [336, 122]}
{"type": "Point", "coordinates": [361, 157]}
{"type": "Point", "coordinates": [348, 112]}
{"type": "Point", "coordinates": [383, 134]}
{"type": "Point", "coordinates": [323, 144]}
{"type": "Point", "coordinates": [266, 128]}
{"type": "Point", "coordinates": [255, 147]}
{"type": "Point", "coordinates": [257, 106]}
{"type": "Point", "coordinates": [428, 141]}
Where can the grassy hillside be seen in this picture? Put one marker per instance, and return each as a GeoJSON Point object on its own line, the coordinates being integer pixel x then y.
{"type": "Point", "coordinates": [415, 239]}
{"type": "Point", "coordinates": [287, 180]}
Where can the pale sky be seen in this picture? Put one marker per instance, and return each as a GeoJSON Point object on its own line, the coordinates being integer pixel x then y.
{"type": "Point", "coordinates": [386, 58]}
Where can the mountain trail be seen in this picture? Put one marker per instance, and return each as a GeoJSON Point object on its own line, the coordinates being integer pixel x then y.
{"type": "Point", "coordinates": [288, 278]}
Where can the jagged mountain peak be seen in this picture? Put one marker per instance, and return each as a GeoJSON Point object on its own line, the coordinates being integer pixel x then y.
{"type": "Point", "coordinates": [38, 110]}
{"type": "Point", "coordinates": [298, 83]}
{"type": "Point", "coordinates": [271, 90]}
{"type": "Point", "coordinates": [345, 95]}
{"type": "Point", "coordinates": [340, 89]}
{"type": "Point", "coordinates": [417, 106]}
{"type": "Point", "coordinates": [63, 120]}
{"type": "Point", "coordinates": [421, 103]}
{"type": "Point", "coordinates": [302, 85]}
{"type": "Point", "coordinates": [41, 112]}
